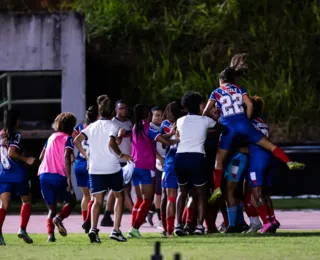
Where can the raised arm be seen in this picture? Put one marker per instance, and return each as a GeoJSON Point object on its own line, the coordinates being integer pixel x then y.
{"type": "Point", "coordinates": [249, 105]}
{"type": "Point", "coordinates": [210, 105]}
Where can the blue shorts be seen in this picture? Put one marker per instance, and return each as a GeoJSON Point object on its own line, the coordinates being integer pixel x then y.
{"type": "Point", "coordinates": [191, 168]}
{"type": "Point", "coordinates": [18, 188]}
{"type": "Point", "coordinates": [236, 167]}
{"type": "Point", "coordinates": [260, 171]}
{"type": "Point", "coordinates": [142, 176]}
{"type": "Point", "coordinates": [82, 177]}
{"type": "Point", "coordinates": [170, 180]}
{"type": "Point", "coordinates": [236, 127]}
{"type": "Point", "coordinates": [54, 188]}
{"type": "Point", "coordinates": [104, 182]}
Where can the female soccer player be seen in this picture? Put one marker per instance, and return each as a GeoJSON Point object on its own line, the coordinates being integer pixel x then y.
{"type": "Point", "coordinates": [144, 156]}
{"type": "Point", "coordinates": [172, 113]}
{"type": "Point", "coordinates": [260, 172]}
{"type": "Point", "coordinates": [124, 142]}
{"type": "Point", "coordinates": [190, 164]}
{"type": "Point", "coordinates": [13, 176]}
{"type": "Point", "coordinates": [81, 171]}
{"type": "Point", "coordinates": [105, 171]}
{"type": "Point", "coordinates": [231, 99]}
{"type": "Point", "coordinates": [55, 173]}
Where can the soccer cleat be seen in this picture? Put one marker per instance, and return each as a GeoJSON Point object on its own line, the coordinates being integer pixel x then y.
{"type": "Point", "coordinates": [243, 227]}
{"type": "Point", "coordinates": [266, 228]}
{"type": "Point", "coordinates": [200, 230]}
{"type": "Point", "coordinates": [231, 230]}
{"type": "Point", "coordinates": [86, 226]}
{"type": "Point", "coordinates": [188, 230]}
{"type": "Point", "coordinates": [150, 218]}
{"type": "Point", "coordinates": [24, 235]}
{"type": "Point", "coordinates": [222, 228]}
{"type": "Point", "coordinates": [117, 235]}
{"type": "Point", "coordinates": [164, 233]}
{"type": "Point", "coordinates": [51, 238]}
{"type": "Point", "coordinates": [215, 195]}
{"type": "Point", "coordinates": [58, 222]}
{"type": "Point", "coordinates": [254, 227]}
{"type": "Point", "coordinates": [274, 226]}
{"type": "Point", "coordinates": [106, 222]}
{"type": "Point", "coordinates": [179, 231]}
{"type": "Point", "coordinates": [134, 233]}
{"type": "Point", "coordinates": [2, 243]}
{"type": "Point", "coordinates": [94, 236]}
{"type": "Point", "coordinates": [296, 166]}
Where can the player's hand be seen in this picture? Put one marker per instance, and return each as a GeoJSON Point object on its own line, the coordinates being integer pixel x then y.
{"type": "Point", "coordinates": [30, 160]}
{"type": "Point", "coordinates": [126, 157]}
{"type": "Point", "coordinates": [69, 188]}
{"type": "Point", "coordinates": [121, 132]}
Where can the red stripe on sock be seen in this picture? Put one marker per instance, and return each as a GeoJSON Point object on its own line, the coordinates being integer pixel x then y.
{"type": "Point", "coordinates": [84, 215]}
{"type": "Point", "coordinates": [50, 226]}
{"type": "Point", "coordinates": [25, 214]}
{"type": "Point", "coordinates": [217, 178]}
{"type": "Point", "coordinates": [250, 210]}
{"type": "Point", "coordinates": [279, 153]}
{"type": "Point", "coordinates": [135, 210]}
{"type": "Point", "coordinates": [3, 214]}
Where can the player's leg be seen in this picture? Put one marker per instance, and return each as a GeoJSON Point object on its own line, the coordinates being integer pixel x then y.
{"type": "Point", "coordinates": [164, 203]}
{"type": "Point", "coordinates": [116, 185]}
{"type": "Point", "coordinates": [171, 209]}
{"type": "Point", "coordinates": [127, 197]}
{"type": "Point", "coordinates": [191, 210]}
{"type": "Point", "coordinates": [95, 211]}
{"type": "Point", "coordinates": [158, 193]}
{"type": "Point", "coordinates": [5, 198]}
{"type": "Point", "coordinates": [86, 197]}
{"type": "Point", "coordinates": [107, 221]}
{"type": "Point", "coordinates": [25, 213]}
{"type": "Point", "coordinates": [181, 202]}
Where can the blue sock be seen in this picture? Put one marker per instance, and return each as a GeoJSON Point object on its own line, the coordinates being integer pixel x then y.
{"type": "Point", "coordinates": [240, 217]}
{"type": "Point", "coordinates": [232, 216]}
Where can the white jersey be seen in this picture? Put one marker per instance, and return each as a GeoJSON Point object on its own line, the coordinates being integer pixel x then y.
{"type": "Point", "coordinates": [193, 133]}
{"type": "Point", "coordinates": [160, 149]}
{"type": "Point", "coordinates": [125, 146]}
{"type": "Point", "coordinates": [102, 158]}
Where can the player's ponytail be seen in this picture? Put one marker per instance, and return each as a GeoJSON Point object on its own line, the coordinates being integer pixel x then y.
{"type": "Point", "coordinates": [91, 115]}
{"type": "Point", "coordinates": [10, 120]}
{"type": "Point", "coordinates": [140, 113]}
{"type": "Point", "coordinates": [105, 106]}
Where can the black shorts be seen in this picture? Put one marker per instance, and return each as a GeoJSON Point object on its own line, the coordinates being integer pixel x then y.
{"type": "Point", "coordinates": [191, 168]}
{"type": "Point", "coordinates": [104, 182]}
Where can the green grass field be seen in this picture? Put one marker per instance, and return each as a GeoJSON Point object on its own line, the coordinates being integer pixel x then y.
{"type": "Point", "coordinates": [284, 245]}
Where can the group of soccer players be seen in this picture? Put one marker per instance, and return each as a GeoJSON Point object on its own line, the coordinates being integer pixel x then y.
{"type": "Point", "coordinates": [167, 156]}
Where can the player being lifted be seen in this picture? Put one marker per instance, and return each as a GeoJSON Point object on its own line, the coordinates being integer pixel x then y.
{"type": "Point", "coordinates": [231, 99]}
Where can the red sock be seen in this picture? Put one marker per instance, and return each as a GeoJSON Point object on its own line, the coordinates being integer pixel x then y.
{"type": "Point", "coordinates": [164, 220]}
{"type": "Point", "coordinates": [25, 215]}
{"type": "Point", "coordinates": [142, 213]}
{"type": "Point", "coordinates": [170, 225]}
{"type": "Point", "coordinates": [3, 214]}
{"type": "Point", "coordinates": [135, 210]}
{"type": "Point", "coordinates": [191, 216]}
{"type": "Point", "coordinates": [263, 213]}
{"type": "Point", "coordinates": [217, 178]}
{"type": "Point", "coordinates": [225, 218]}
{"type": "Point", "coordinates": [184, 216]}
{"type": "Point", "coordinates": [84, 215]}
{"type": "Point", "coordinates": [50, 226]}
{"type": "Point", "coordinates": [88, 218]}
{"type": "Point", "coordinates": [271, 214]}
{"type": "Point", "coordinates": [250, 210]}
{"type": "Point", "coordinates": [65, 212]}
{"type": "Point", "coordinates": [279, 153]}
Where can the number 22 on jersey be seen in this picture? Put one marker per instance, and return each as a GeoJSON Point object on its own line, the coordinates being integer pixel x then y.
{"type": "Point", "coordinates": [231, 105]}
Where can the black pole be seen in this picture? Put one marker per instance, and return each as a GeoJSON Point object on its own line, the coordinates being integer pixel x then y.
{"type": "Point", "coordinates": [177, 256]}
{"type": "Point", "coordinates": [157, 255]}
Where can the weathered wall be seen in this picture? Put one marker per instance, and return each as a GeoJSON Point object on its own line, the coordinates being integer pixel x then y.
{"type": "Point", "coordinates": [44, 41]}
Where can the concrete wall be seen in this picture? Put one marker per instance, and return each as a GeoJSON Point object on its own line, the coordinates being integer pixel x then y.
{"type": "Point", "coordinates": [43, 41]}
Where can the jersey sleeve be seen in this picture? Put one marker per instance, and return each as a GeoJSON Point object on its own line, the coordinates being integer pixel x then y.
{"type": "Point", "coordinates": [213, 96]}
{"type": "Point", "coordinates": [211, 123]}
{"type": "Point", "coordinates": [243, 91]}
{"type": "Point", "coordinates": [114, 130]}
{"type": "Point", "coordinates": [16, 141]}
{"type": "Point", "coordinates": [153, 134]}
{"type": "Point", "coordinates": [87, 132]}
{"type": "Point", "coordinates": [77, 129]}
{"type": "Point", "coordinates": [69, 143]}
